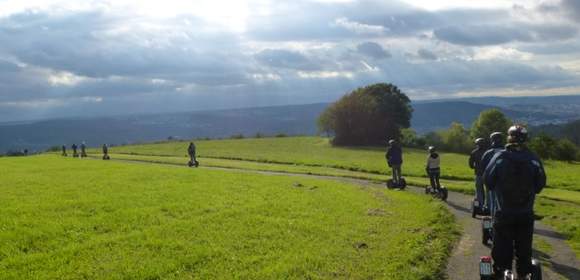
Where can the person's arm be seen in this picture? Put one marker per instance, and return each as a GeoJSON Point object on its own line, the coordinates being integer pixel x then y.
{"type": "Point", "coordinates": [540, 176]}
{"type": "Point", "coordinates": [472, 160]}
{"type": "Point", "coordinates": [490, 173]}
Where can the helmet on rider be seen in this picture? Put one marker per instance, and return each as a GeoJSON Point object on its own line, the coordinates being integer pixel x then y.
{"type": "Point", "coordinates": [496, 137]}
{"type": "Point", "coordinates": [517, 134]}
{"type": "Point", "coordinates": [480, 142]}
{"type": "Point", "coordinates": [392, 142]}
{"type": "Point", "coordinates": [431, 149]}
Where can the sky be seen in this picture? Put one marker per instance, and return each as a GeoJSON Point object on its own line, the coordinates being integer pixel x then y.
{"type": "Point", "coordinates": [70, 58]}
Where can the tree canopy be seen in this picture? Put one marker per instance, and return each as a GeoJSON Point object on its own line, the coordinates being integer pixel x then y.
{"type": "Point", "coordinates": [367, 116]}
{"type": "Point", "coordinates": [490, 121]}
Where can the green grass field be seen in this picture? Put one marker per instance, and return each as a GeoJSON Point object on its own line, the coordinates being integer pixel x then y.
{"type": "Point", "coordinates": [314, 155]}
{"type": "Point", "coordinates": [316, 151]}
{"type": "Point", "coordinates": [85, 219]}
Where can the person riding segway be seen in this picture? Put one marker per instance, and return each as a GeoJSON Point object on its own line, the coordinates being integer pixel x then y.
{"type": "Point", "coordinates": [64, 151]}
{"type": "Point", "coordinates": [106, 152]}
{"type": "Point", "coordinates": [516, 176]}
{"type": "Point", "coordinates": [74, 148]}
{"type": "Point", "coordinates": [497, 145]}
{"type": "Point", "coordinates": [394, 158]}
{"type": "Point", "coordinates": [477, 206]}
{"type": "Point", "coordinates": [83, 150]}
{"type": "Point", "coordinates": [191, 152]}
{"type": "Point", "coordinates": [433, 169]}
{"type": "Point", "coordinates": [497, 140]}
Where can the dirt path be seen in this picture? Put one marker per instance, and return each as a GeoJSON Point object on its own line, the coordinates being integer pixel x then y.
{"type": "Point", "coordinates": [558, 258]}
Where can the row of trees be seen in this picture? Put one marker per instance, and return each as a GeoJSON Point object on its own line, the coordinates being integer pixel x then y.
{"type": "Point", "coordinates": [373, 114]}
{"type": "Point", "coordinates": [461, 140]}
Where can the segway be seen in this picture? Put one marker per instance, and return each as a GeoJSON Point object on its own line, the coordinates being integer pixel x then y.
{"type": "Point", "coordinates": [193, 163]}
{"type": "Point", "coordinates": [401, 185]}
{"type": "Point", "coordinates": [486, 270]}
{"type": "Point", "coordinates": [441, 194]}
{"type": "Point", "coordinates": [106, 157]}
{"type": "Point", "coordinates": [477, 209]}
{"type": "Point", "coordinates": [486, 230]}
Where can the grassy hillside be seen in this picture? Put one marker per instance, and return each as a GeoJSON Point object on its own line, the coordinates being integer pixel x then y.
{"type": "Point", "coordinates": [313, 155]}
{"type": "Point", "coordinates": [73, 219]}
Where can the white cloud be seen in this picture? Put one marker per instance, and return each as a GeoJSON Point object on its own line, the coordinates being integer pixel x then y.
{"type": "Point", "coordinates": [359, 28]}
{"type": "Point", "coordinates": [503, 53]}
{"type": "Point", "coordinates": [325, 74]}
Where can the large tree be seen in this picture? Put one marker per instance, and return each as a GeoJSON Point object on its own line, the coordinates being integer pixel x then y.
{"type": "Point", "coordinates": [367, 116]}
{"type": "Point", "coordinates": [488, 122]}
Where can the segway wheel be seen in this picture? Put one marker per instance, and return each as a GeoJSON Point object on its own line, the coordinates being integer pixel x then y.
{"type": "Point", "coordinates": [389, 184]}
{"type": "Point", "coordinates": [196, 163]}
{"type": "Point", "coordinates": [403, 183]}
{"type": "Point", "coordinates": [189, 163]}
{"type": "Point", "coordinates": [427, 190]}
{"type": "Point", "coordinates": [444, 193]}
{"type": "Point", "coordinates": [536, 270]}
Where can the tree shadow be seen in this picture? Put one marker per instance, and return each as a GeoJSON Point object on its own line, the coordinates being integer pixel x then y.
{"type": "Point", "coordinates": [549, 233]}
{"type": "Point", "coordinates": [566, 271]}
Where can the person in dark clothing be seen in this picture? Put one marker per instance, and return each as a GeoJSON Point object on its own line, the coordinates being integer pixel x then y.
{"type": "Point", "coordinates": [475, 164]}
{"type": "Point", "coordinates": [191, 152]}
{"type": "Point", "coordinates": [394, 158]}
{"type": "Point", "coordinates": [83, 149]}
{"type": "Point", "coordinates": [515, 175]}
{"type": "Point", "coordinates": [433, 168]}
{"type": "Point", "coordinates": [64, 151]}
{"type": "Point", "coordinates": [105, 152]}
{"type": "Point", "coordinates": [74, 148]}
{"type": "Point", "coordinates": [497, 145]}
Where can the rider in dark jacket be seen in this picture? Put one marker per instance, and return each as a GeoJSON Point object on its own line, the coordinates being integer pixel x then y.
{"type": "Point", "coordinates": [475, 164]}
{"type": "Point", "coordinates": [497, 145]}
{"type": "Point", "coordinates": [394, 158]}
{"type": "Point", "coordinates": [515, 175]}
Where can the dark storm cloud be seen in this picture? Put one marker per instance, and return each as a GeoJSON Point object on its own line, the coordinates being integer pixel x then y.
{"type": "Point", "coordinates": [572, 7]}
{"type": "Point", "coordinates": [373, 50]}
{"type": "Point", "coordinates": [87, 45]}
{"type": "Point", "coordinates": [426, 54]}
{"type": "Point", "coordinates": [489, 34]}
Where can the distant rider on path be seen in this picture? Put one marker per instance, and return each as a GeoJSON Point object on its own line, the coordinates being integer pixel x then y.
{"type": "Point", "coordinates": [433, 168]}
{"type": "Point", "coordinates": [475, 164]}
{"type": "Point", "coordinates": [74, 148]}
{"type": "Point", "coordinates": [394, 158]}
{"type": "Point", "coordinates": [105, 151]}
{"type": "Point", "coordinates": [515, 175]}
{"type": "Point", "coordinates": [64, 151]}
{"type": "Point", "coordinates": [191, 153]}
{"type": "Point", "coordinates": [83, 149]}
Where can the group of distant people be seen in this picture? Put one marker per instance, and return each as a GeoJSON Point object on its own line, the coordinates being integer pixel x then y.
{"type": "Point", "coordinates": [83, 150]}
{"type": "Point", "coordinates": [507, 180]}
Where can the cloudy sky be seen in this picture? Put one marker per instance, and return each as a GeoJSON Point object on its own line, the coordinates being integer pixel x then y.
{"type": "Point", "coordinates": [84, 58]}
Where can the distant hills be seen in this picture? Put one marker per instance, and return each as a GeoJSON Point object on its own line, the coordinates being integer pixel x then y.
{"type": "Point", "coordinates": [290, 120]}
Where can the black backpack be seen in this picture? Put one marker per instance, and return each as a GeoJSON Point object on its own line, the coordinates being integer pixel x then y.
{"type": "Point", "coordinates": [519, 181]}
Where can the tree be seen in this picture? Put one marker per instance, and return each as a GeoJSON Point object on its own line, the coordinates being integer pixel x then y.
{"type": "Point", "coordinates": [456, 138]}
{"type": "Point", "coordinates": [565, 150]}
{"type": "Point", "coordinates": [543, 145]}
{"type": "Point", "coordinates": [490, 121]}
{"type": "Point", "coordinates": [367, 116]}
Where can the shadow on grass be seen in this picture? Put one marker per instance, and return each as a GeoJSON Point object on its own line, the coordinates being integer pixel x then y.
{"type": "Point", "coordinates": [550, 233]}
{"type": "Point", "coordinates": [459, 207]}
{"type": "Point", "coordinates": [566, 271]}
